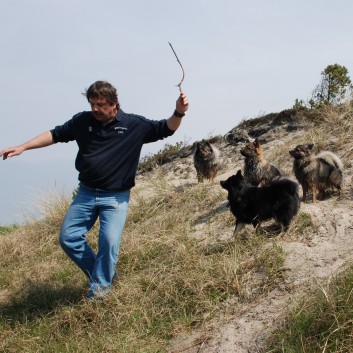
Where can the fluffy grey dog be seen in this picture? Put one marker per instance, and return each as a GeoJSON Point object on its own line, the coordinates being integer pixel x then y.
{"type": "Point", "coordinates": [206, 161]}
{"type": "Point", "coordinates": [317, 173]}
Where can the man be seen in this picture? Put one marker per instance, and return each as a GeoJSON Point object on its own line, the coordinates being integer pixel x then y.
{"type": "Point", "coordinates": [109, 143]}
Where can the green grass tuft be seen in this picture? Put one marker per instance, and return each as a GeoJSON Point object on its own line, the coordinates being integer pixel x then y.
{"type": "Point", "coordinates": [322, 322]}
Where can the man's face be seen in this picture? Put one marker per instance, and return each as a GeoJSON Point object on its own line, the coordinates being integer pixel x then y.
{"type": "Point", "coordinates": [102, 110]}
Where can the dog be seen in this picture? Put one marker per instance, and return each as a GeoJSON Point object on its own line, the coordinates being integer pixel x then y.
{"type": "Point", "coordinates": [316, 173]}
{"type": "Point", "coordinates": [257, 171]}
{"type": "Point", "coordinates": [252, 205]}
{"type": "Point", "coordinates": [206, 161]}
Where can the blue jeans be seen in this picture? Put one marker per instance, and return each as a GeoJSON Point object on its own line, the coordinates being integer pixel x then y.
{"type": "Point", "coordinates": [88, 205]}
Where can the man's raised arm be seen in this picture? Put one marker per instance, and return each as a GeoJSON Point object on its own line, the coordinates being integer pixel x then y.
{"type": "Point", "coordinates": [182, 105]}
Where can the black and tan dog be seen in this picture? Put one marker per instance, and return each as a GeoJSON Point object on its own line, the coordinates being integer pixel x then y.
{"type": "Point", "coordinates": [316, 173]}
{"type": "Point", "coordinates": [252, 205]}
{"type": "Point", "coordinates": [206, 161]}
{"type": "Point", "coordinates": [257, 171]}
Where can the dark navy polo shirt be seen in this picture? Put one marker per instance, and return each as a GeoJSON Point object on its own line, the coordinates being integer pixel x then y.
{"type": "Point", "coordinates": [108, 155]}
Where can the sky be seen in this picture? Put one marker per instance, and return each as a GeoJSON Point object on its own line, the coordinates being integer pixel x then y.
{"type": "Point", "coordinates": [241, 60]}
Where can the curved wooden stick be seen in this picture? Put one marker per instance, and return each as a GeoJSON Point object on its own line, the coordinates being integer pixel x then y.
{"type": "Point", "coordinates": [182, 79]}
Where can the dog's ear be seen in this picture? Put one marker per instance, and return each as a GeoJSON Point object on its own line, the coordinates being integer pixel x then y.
{"type": "Point", "coordinates": [239, 173]}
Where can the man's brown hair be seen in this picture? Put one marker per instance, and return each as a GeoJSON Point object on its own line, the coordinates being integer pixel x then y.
{"type": "Point", "coordinates": [103, 89]}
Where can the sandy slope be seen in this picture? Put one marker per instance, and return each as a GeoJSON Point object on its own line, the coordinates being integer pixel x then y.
{"type": "Point", "coordinates": [308, 262]}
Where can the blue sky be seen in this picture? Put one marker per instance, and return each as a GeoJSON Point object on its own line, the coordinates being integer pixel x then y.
{"type": "Point", "coordinates": [241, 59]}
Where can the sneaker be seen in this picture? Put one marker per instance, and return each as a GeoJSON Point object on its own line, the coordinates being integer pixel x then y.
{"type": "Point", "coordinates": [97, 294]}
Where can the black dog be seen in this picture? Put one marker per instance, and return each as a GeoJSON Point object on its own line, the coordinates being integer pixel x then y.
{"type": "Point", "coordinates": [252, 204]}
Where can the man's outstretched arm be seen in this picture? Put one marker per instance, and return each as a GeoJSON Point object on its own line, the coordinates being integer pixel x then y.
{"type": "Point", "coordinates": [42, 140]}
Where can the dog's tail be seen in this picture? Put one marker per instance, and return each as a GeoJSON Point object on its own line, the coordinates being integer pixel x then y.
{"type": "Point", "coordinates": [332, 159]}
{"type": "Point", "coordinates": [216, 153]}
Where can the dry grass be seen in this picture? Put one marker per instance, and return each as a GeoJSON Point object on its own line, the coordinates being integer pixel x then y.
{"type": "Point", "coordinates": [180, 266]}
{"type": "Point", "coordinates": [170, 281]}
{"type": "Point", "coordinates": [321, 322]}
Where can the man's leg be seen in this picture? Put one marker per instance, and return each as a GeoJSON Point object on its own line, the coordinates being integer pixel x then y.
{"type": "Point", "coordinates": [113, 209]}
{"type": "Point", "coordinates": [79, 219]}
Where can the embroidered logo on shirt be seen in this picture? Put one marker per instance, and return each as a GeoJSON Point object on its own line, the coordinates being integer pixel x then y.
{"type": "Point", "coordinates": [90, 129]}
{"type": "Point", "coordinates": [120, 129]}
